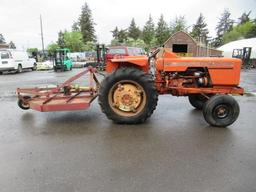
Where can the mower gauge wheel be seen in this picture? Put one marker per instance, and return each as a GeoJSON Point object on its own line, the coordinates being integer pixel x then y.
{"type": "Point", "coordinates": [23, 104]}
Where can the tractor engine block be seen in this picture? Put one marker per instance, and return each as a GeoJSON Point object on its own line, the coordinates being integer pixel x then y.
{"type": "Point", "coordinates": [191, 78]}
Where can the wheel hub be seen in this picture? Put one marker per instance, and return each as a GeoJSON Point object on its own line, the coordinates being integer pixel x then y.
{"type": "Point", "coordinates": [127, 97]}
{"type": "Point", "coordinates": [221, 111]}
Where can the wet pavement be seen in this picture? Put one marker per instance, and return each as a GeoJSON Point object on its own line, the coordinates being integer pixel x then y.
{"type": "Point", "coordinates": [175, 150]}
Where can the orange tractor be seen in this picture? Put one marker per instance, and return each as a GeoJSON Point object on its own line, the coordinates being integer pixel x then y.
{"type": "Point", "coordinates": [129, 92]}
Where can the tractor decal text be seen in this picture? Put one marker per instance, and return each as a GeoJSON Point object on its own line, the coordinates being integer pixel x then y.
{"type": "Point", "coordinates": [199, 64]}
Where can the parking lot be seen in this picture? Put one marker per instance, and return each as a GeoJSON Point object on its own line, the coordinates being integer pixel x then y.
{"type": "Point", "coordinates": [175, 150]}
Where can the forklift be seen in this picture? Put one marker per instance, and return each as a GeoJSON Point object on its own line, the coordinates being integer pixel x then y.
{"type": "Point", "coordinates": [62, 62]}
{"type": "Point", "coordinates": [100, 61]}
{"type": "Point", "coordinates": [245, 55]}
{"type": "Point", "coordinates": [101, 57]}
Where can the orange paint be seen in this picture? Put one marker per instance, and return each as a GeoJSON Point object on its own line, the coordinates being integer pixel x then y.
{"type": "Point", "coordinates": [136, 61]}
{"type": "Point", "coordinates": [224, 73]}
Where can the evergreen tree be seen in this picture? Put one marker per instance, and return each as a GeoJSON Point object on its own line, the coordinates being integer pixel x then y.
{"type": "Point", "coordinates": [179, 24]}
{"type": "Point", "coordinates": [200, 31]}
{"type": "Point", "coordinates": [134, 31]}
{"type": "Point", "coordinates": [224, 25]}
{"type": "Point", "coordinates": [2, 40]}
{"type": "Point", "coordinates": [75, 26]}
{"type": "Point", "coordinates": [119, 36]}
{"type": "Point", "coordinates": [162, 31]}
{"type": "Point", "coordinates": [86, 24]}
{"type": "Point", "coordinates": [12, 45]}
{"type": "Point", "coordinates": [244, 18]}
{"type": "Point", "coordinates": [115, 33]}
{"type": "Point", "coordinates": [61, 41]}
{"type": "Point", "coordinates": [122, 36]}
{"type": "Point", "coordinates": [148, 33]}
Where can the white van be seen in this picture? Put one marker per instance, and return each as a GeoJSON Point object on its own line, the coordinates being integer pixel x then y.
{"type": "Point", "coordinates": [13, 60]}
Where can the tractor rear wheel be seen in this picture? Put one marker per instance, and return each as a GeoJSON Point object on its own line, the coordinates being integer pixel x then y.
{"type": "Point", "coordinates": [221, 110]}
{"type": "Point", "coordinates": [128, 96]}
{"type": "Point", "coordinates": [198, 100]}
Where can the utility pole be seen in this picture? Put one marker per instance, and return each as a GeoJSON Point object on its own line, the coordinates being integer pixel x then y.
{"type": "Point", "coordinates": [42, 35]}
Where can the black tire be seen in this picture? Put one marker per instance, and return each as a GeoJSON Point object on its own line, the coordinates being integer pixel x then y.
{"type": "Point", "coordinates": [19, 70]}
{"type": "Point", "coordinates": [34, 67]}
{"type": "Point", "coordinates": [22, 105]}
{"type": "Point", "coordinates": [221, 110]}
{"type": "Point", "coordinates": [124, 76]}
{"type": "Point", "coordinates": [198, 100]}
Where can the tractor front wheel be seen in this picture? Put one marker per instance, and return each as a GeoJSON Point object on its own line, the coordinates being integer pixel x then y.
{"type": "Point", "coordinates": [221, 110]}
{"type": "Point", "coordinates": [128, 96]}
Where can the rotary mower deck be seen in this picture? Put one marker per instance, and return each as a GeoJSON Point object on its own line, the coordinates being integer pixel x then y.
{"type": "Point", "coordinates": [62, 97]}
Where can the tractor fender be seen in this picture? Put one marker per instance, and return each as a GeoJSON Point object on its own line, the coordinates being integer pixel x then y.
{"type": "Point", "coordinates": [140, 62]}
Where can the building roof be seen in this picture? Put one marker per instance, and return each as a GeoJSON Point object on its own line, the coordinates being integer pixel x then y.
{"type": "Point", "coordinates": [189, 36]}
{"type": "Point", "coordinates": [240, 44]}
{"type": "Point", "coordinates": [177, 33]}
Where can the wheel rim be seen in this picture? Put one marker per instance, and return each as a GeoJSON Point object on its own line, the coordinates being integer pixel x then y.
{"type": "Point", "coordinates": [221, 111]}
{"type": "Point", "coordinates": [127, 98]}
{"type": "Point", "coordinates": [25, 105]}
{"type": "Point", "coordinates": [24, 102]}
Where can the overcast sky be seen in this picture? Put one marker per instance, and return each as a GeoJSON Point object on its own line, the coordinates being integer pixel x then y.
{"type": "Point", "coordinates": [19, 19]}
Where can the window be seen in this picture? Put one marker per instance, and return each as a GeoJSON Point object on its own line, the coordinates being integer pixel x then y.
{"type": "Point", "coordinates": [5, 55]}
{"type": "Point", "coordinates": [116, 51]}
{"type": "Point", "coordinates": [140, 51]}
{"type": "Point", "coordinates": [134, 51]}
{"type": "Point", "coordinates": [180, 48]}
{"type": "Point", "coordinates": [131, 52]}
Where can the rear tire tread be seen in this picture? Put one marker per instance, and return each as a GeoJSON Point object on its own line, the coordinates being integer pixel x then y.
{"type": "Point", "coordinates": [133, 74]}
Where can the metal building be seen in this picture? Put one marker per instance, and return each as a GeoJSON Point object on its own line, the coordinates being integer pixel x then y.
{"type": "Point", "coordinates": [184, 45]}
